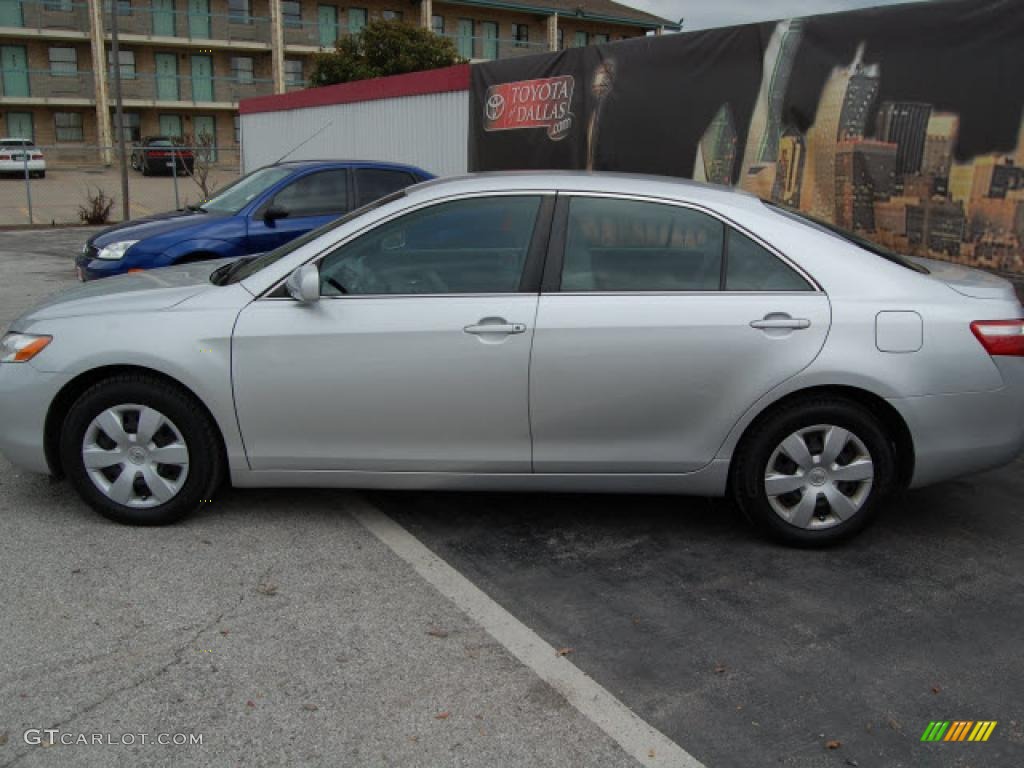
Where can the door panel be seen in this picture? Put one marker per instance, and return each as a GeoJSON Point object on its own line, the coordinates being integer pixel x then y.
{"type": "Point", "coordinates": [464, 40]}
{"type": "Point", "coordinates": [15, 71]}
{"type": "Point", "coordinates": [384, 384]}
{"type": "Point", "coordinates": [10, 13]}
{"type": "Point", "coordinates": [490, 35]}
{"type": "Point", "coordinates": [327, 17]}
{"type": "Point", "coordinates": [166, 77]}
{"type": "Point", "coordinates": [202, 78]}
{"type": "Point", "coordinates": [163, 17]}
{"type": "Point", "coordinates": [205, 125]}
{"type": "Point", "coordinates": [19, 125]}
{"type": "Point", "coordinates": [655, 383]}
{"type": "Point", "coordinates": [199, 18]}
{"type": "Point", "coordinates": [170, 125]}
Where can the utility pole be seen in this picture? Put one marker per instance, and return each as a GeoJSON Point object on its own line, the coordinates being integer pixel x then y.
{"type": "Point", "coordinates": [119, 112]}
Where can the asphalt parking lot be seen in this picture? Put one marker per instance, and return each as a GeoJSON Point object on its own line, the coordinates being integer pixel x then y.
{"type": "Point", "coordinates": [279, 626]}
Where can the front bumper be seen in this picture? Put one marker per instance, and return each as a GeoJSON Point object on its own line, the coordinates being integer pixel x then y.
{"type": "Point", "coordinates": [90, 268]}
{"type": "Point", "coordinates": [25, 397]}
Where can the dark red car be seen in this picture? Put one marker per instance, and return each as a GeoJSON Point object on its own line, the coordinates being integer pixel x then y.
{"type": "Point", "coordinates": [154, 155]}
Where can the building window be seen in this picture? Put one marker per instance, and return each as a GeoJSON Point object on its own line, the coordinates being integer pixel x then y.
{"type": "Point", "coordinates": [238, 130]}
{"type": "Point", "coordinates": [170, 126]}
{"type": "Point", "coordinates": [68, 126]}
{"type": "Point", "coordinates": [241, 68]}
{"type": "Point", "coordinates": [63, 62]}
{"type": "Point", "coordinates": [521, 34]}
{"type": "Point", "coordinates": [57, 5]}
{"type": "Point", "coordinates": [293, 71]}
{"type": "Point", "coordinates": [356, 20]}
{"type": "Point", "coordinates": [124, 7]}
{"type": "Point", "coordinates": [600, 39]}
{"type": "Point", "coordinates": [127, 59]}
{"type": "Point", "coordinates": [132, 126]}
{"type": "Point", "coordinates": [579, 40]}
{"type": "Point", "coordinates": [437, 24]}
{"type": "Point", "coordinates": [391, 15]}
{"type": "Point", "coordinates": [291, 12]}
{"type": "Point", "coordinates": [561, 38]}
{"type": "Point", "coordinates": [239, 12]}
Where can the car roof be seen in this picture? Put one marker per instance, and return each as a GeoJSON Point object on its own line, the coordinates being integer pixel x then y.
{"type": "Point", "coordinates": [348, 164]}
{"type": "Point", "coordinates": [670, 187]}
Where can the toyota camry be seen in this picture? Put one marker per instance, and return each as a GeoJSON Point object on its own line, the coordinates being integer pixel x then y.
{"type": "Point", "coordinates": [545, 332]}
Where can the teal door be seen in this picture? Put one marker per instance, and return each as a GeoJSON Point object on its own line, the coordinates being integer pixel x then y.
{"type": "Point", "coordinates": [15, 71]}
{"type": "Point", "coordinates": [356, 20]}
{"type": "Point", "coordinates": [163, 17]}
{"type": "Point", "coordinates": [19, 126]}
{"type": "Point", "coordinates": [199, 18]}
{"type": "Point", "coordinates": [10, 13]}
{"type": "Point", "coordinates": [464, 41]}
{"type": "Point", "coordinates": [202, 78]}
{"type": "Point", "coordinates": [170, 125]}
{"type": "Point", "coordinates": [167, 76]}
{"type": "Point", "coordinates": [205, 128]}
{"type": "Point", "coordinates": [327, 17]}
{"type": "Point", "coordinates": [490, 40]}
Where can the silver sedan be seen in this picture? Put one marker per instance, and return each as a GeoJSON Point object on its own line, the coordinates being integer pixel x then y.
{"type": "Point", "coordinates": [557, 332]}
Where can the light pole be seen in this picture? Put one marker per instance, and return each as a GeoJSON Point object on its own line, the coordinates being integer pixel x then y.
{"type": "Point", "coordinates": [119, 112]}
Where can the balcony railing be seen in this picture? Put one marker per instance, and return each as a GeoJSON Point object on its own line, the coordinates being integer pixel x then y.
{"type": "Point", "coordinates": [296, 85]}
{"type": "Point", "coordinates": [321, 35]}
{"type": "Point", "coordinates": [477, 47]}
{"type": "Point", "coordinates": [157, 22]}
{"type": "Point", "coordinates": [197, 90]}
{"type": "Point", "coordinates": [42, 83]}
{"type": "Point", "coordinates": [45, 15]}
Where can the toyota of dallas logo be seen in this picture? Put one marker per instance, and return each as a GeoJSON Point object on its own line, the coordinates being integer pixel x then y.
{"type": "Point", "coordinates": [543, 103]}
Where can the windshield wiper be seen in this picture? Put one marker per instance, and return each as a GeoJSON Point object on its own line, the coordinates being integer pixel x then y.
{"type": "Point", "coordinates": [221, 275]}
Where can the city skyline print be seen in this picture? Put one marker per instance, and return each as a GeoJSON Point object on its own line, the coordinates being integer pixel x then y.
{"type": "Point", "coordinates": [903, 124]}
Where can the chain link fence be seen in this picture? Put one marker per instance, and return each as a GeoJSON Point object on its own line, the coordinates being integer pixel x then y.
{"type": "Point", "coordinates": [56, 185]}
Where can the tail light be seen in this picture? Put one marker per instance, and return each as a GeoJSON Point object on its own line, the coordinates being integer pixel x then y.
{"type": "Point", "coordinates": [37, 156]}
{"type": "Point", "coordinates": [1000, 337]}
{"type": "Point", "coordinates": [5, 157]}
{"type": "Point", "coordinates": [158, 153]}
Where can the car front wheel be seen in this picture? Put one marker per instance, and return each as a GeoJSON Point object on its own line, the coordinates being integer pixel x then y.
{"type": "Point", "coordinates": [140, 450]}
{"type": "Point", "coordinates": [815, 472]}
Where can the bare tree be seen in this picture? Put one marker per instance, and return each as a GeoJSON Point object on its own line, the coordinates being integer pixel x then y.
{"type": "Point", "coordinates": [204, 153]}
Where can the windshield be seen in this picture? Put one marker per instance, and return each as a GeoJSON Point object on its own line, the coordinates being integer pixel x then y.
{"type": "Point", "coordinates": [235, 197]}
{"type": "Point", "coordinates": [244, 268]}
{"type": "Point", "coordinates": [862, 242]}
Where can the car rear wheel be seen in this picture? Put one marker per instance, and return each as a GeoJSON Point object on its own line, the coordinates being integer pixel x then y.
{"type": "Point", "coordinates": [141, 451]}
{"type": "Point", "coordinates": [814, 473]}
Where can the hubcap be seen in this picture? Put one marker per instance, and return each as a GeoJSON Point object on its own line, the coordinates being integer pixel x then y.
{"type": "Point", "coordinates": [135, 456]}
{"type": "Point", "coordinates": [819, 476]}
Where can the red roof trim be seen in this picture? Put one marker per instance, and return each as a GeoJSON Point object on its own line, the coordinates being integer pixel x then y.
{"type": "Point", "coordinates": [413, 84]}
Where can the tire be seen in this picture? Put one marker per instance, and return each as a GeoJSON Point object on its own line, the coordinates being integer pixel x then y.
{"type": "Point", "coordinates": [160, 493]}
{"type": "Point", "coordinates": [820, 501]}
{"type": "Point", "coordinates": [134, 163]}
{"type": "Point", "coordinates": [144, 167]}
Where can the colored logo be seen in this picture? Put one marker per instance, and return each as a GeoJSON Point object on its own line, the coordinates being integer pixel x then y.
{"type": "Point", "coordinates": [958, 730]}
{"type": "Point", "coordinates": [542, 103]}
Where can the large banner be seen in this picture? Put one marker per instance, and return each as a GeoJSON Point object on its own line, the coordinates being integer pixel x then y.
{"type": "Point", "coordinates": [904, 124]}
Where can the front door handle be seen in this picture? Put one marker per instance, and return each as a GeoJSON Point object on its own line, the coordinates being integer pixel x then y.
{"type": "Point", "coordinates": [781, 323]}
{"type": "Point", "coordinates": [496, 326]}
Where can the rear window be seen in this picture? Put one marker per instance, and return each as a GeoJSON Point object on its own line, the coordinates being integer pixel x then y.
{"type": "Point", "coordinates": [831, 229]}
{"type": "Point", "coordinates": [16, 143]}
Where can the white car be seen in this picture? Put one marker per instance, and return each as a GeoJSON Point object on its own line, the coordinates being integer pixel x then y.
{"type": "Point", "coordinates": [13, 154]}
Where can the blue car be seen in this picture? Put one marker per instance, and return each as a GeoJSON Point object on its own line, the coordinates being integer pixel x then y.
{"type": "Point", "coordinates": [257, 213]}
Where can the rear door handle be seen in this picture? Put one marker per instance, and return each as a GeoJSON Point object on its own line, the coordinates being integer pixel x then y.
{"type": "Point", "coordinates": [503, 328]}
{"type": "Point", "coordinates": [786, 323]}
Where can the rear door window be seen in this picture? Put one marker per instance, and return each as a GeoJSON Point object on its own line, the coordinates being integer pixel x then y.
{"type": "Point", "coordinates": [374, 183]}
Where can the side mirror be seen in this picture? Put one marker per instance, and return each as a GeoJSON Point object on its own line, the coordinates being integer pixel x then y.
{"type": "Point", "coordinates": [303, 284]}
{"type": "Point", "coordinates": [275, 212]}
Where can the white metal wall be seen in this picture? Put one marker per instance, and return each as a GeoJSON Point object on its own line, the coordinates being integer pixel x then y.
{"type": "Point", "coordinates": [430, 131]}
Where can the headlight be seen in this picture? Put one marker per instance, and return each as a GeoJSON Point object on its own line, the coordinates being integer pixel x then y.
{"type": "Point", "coordinates": [21, 347]}
{"type": "Point", "coordinates": [115, 251]}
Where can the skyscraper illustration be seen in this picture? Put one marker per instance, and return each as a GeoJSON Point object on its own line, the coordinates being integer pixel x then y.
{"type": "Point", "coordinates": [939, 143]}
{"type": "Point", "coordinates": [716, 150]}
{"type": "Point", "coordinates": [766, 122]}
{"type": "Point", "coordinates": [904, 123]}
{"type": "Point", "coordinates": [842, 114]}
{"type": "Point", "coordinates": [789, 169]}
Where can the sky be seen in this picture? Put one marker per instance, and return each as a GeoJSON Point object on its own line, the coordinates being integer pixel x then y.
{"type": "Point", "coordinates": [702, 14]}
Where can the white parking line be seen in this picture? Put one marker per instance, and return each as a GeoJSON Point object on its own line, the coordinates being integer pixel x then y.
{"type": "Point", "coordinates": [646, 744]}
